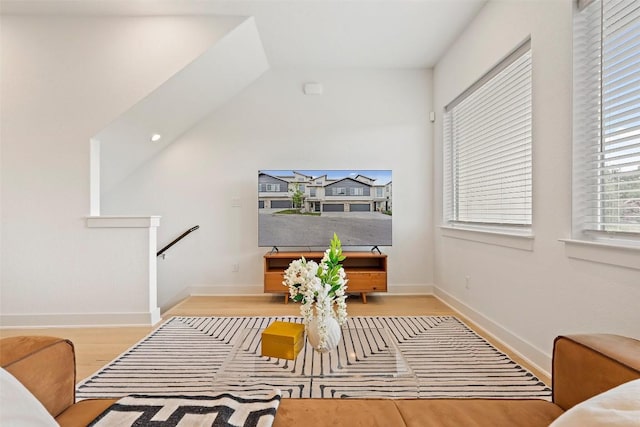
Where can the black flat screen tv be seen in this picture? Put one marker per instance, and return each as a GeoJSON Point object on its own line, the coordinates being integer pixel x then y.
{"type": "Point", "coordinates": [303, 208]}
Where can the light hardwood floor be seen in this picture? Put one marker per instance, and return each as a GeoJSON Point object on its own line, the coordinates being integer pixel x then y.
{"type": "Point", "coordinates": [95, 347]}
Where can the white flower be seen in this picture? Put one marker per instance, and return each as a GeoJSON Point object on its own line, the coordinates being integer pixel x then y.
{"type": "Point", "coordinates": [314, 286]}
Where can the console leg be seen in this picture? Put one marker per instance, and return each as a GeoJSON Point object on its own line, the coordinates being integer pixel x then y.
{"type": "Point", "coordinates": [363, 295]}
{"type": "Point", "coordinates": [286, 298]}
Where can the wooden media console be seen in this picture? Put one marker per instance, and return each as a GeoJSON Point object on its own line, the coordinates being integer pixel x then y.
{"type": "Point", "coordinates": [366, 271]}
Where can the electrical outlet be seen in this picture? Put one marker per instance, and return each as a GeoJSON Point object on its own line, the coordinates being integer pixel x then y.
{"type": "Point", "coordinates": [466, 281]}
{"type": "Point", "coordinates": [235, 268]}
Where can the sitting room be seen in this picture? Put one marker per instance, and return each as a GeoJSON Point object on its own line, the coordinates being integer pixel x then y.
{"type": "Point", "coordinates": [454, 184]}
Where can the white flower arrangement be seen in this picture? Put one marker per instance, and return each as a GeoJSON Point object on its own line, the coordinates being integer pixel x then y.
{"type": "Point", "coordinates": [321, 284]}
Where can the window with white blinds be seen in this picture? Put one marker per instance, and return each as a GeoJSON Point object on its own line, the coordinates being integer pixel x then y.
{"type": "Point", "coordinates": [606, 167]}
{"type": "Point", "coordinates": [487, 147]}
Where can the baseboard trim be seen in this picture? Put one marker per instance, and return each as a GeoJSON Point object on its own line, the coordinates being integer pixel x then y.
{"type": "Point", "coordinates": [252, 290]}
{"type": "Point", "coordinates": [176, 300]}
{"type": "Point", "coordinates": [423, 289]}
{"type": "Point", "coordinates": [531, 354]}
{"type": "Point", "coordinates": [78, 320]}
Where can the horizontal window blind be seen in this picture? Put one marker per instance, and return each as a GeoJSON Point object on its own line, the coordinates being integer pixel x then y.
{"type": "Point", "coordinates": [607, 117]}
{"type": "Point", "coordinates": [487, 147]}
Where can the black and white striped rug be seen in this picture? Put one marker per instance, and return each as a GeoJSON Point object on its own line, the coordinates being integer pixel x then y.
{"type": "Point", "coordinates": [389, 357]}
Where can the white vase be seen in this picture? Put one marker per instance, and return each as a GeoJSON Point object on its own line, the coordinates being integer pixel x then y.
{"type": "Point", "coordinates": [333, 334]}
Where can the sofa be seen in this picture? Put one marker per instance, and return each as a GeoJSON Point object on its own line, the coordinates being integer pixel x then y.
{"type": "Point", "coordinates": [583, 366]}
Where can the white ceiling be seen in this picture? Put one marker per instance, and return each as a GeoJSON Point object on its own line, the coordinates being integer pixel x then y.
{"type": "Point", "coordinates": [310, 33]}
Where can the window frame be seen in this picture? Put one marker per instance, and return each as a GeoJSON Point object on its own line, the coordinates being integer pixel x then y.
{"type": "Point", "coordinates": [586, 227]}
{"type": "Point", "coordinates": [451, 220]}
{"type": "Point", "coordinates": [356, 191]}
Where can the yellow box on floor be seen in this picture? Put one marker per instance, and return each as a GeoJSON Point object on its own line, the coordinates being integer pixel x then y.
{"type": "Point", "coordinates": [283, 340]}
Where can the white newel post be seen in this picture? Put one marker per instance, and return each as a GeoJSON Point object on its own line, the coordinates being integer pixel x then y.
{"type": "Point", "coordinates": [154, 310]}
{"type": "Point", "coordinates": [148, 281]}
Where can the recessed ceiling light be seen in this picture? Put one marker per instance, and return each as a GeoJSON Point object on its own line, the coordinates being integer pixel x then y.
{"type": "Point", "coordinates": [155, 137]}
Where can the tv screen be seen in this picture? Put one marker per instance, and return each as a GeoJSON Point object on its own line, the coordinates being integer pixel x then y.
{"type": "Point", "coordinates": [303, 208]}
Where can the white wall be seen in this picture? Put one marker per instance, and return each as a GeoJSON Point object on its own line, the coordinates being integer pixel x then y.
{"type": "Point", "coordinates": [529, 297]}
{"type": "Point", "coordinates": [63, 79]}
{"type": "Point", "coordinates": [366, 119]}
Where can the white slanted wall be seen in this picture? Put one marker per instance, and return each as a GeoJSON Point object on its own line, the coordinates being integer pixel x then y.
{"type": "Point", "coordinates": [209, 81]}
{"type": "Point", "coordinates": [526, 293]}
{"type": "Point", "coordinates": [64, 79]}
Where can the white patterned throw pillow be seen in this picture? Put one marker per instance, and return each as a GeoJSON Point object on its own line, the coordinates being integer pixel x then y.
{"type": "Point", "coordinates": [222, 410]}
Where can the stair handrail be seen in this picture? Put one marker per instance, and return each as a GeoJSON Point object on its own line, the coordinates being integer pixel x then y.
{"type": "Point", "coordinates": [182, 236]}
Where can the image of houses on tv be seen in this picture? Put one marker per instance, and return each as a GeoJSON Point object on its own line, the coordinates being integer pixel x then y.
{"type": "Point", "coordinates": [321, 191]}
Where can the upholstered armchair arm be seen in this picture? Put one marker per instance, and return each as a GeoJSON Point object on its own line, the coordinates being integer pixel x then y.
{"type": "Point", "coordinates": [46, 366]}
